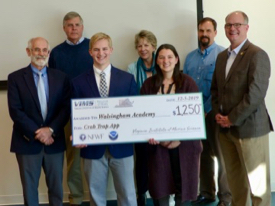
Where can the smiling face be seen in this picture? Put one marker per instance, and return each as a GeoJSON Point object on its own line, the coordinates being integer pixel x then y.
{"type": "Point", "coordinates": [166, 61]}
{"type": "Point", "coordinates": [101, 52]}
{"type": "Point", "coordinates": [39, 53]}
{"type": "Point", "coordinates": [236, 35]}
{"type": "Point", "coordinates": [145, 49]}
{"type": "Point", "coordinates": [206, 34]}
{"type": "Point", "coordinates": [73, 29]}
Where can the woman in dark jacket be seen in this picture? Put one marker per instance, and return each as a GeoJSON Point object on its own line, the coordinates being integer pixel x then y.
{"type": "Point", "coordinates": [173, 165]}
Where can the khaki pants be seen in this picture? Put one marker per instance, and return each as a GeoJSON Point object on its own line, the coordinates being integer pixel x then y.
{"type": "Point", "coordinates": [248, 169]}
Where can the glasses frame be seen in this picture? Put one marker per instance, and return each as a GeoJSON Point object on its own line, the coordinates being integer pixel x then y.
{"type": "Point", "coordinates": [236, 25]}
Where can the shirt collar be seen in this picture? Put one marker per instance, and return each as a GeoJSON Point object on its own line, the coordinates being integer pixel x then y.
{"type": "Point", "coordinates": [107, 70]}
{"type": "Point", "coordinates": [237, 49]}
{"type": "Point", "coordinates": [36, 71]}
{"type": "Point", "coordinates": [207, 50]}
{"type": "Point", "coordinates": [71, 43]}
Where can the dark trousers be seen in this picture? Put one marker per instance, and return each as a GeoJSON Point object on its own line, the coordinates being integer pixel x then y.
{"type": "Point", "coordinates": [30, 171]}
{"type": "Point", "coordinates": [176, 172]}
{"type": "Point", "coordinates": [212, 149]}
{"type": "Point", "coordinates": [141, 167]}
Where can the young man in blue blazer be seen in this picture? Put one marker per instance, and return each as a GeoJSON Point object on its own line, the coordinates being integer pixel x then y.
{"type": "Point", "coordinates": [98, 159]}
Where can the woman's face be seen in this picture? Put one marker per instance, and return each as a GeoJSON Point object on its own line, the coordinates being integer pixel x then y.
{"type": "Point", "coordinates": [145, 49]}
{"type": "Point", "coordinates": [166, 61]}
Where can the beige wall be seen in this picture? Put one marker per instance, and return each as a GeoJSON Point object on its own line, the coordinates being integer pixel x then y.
{"type": "Point", "coordinates": [261, 32]}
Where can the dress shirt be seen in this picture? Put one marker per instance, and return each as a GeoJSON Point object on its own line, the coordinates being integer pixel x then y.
{"type": "Point", "coordinates": [44, 77]}
{"type": "Point", "coordinates": [107, 72]}
{"type": "Point", "coordinates": [200, 66]}
{"type": "Point", "coordinates": [232, 54]}
{"type": "Point", "coordinates": [79, 41]}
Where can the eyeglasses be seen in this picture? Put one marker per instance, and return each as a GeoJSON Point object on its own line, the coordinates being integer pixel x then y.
{"type": "Point", "coordinates": [37, 50]}
{"type": "Point", "coordinates": [236, 25]}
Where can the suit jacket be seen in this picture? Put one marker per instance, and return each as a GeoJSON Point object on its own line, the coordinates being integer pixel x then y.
{"type": "Point", "coordinates": [25, 111]}
{"type": "Point", "coordinates": [241, 94]}
{"type": "Point", "coordinates": [121, 84]}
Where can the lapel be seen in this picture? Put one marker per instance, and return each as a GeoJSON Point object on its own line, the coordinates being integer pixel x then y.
{"type": "Point", "coordinates": [237, 60]}
{"type": "Point", "coordinates": [90, 78]}
{"type": "Point", "coordinates": [113, 81]}
{"type": "Point", "coordinates": [52, 87]}
{"type": "Point", "coordinates": [28, 76]}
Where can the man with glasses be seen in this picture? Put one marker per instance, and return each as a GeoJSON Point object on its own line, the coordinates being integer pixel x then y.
{"type": "Point", "coordinates": [39, 105]}
{"type": "Point", "coordinates": [239, 86]}
{"type": "Point", "coordinates": [200, 65]}
{"type": "Point", "coordinates": [72, 57]}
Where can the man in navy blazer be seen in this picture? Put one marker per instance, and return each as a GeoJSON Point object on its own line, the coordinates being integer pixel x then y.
{"type": "Point", "coordinates": [99, 158]}
{"type": "Point", "coordinates": [38, 140]}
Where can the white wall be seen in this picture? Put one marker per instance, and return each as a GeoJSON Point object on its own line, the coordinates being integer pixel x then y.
{"type": "Point", "coordinates": [261, 32]}
{"type": "Point", "coordinates": [171, 21]}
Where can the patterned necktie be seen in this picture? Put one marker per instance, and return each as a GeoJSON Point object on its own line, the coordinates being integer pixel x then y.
{"type": "Point", "coordinates": [103, 85]}
{"type": "Point", "coordinates": [42, 95]}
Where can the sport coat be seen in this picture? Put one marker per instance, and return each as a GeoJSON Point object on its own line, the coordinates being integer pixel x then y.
{"type": "Point", "coordinates": [121, 84]}
{"type": "Point", "coordinates": [241, 94]}
{"type": "Point", "coordinates": [25, 111]}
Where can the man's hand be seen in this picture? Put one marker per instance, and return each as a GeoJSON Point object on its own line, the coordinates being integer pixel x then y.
{"type": "Point", "coordinates": [44, 135]}
{"type": "Point", "coordinates": [80, 145]}
{"type": "Point", "coordinates": [223, 121]}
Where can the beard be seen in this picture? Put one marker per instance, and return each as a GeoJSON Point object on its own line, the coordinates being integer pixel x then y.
{"type": "Point", "coordinates": [204, 43]}
{"type": "Point", "coordinates": [40, 60]}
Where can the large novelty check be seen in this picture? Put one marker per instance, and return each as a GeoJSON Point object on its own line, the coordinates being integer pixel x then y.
{"type": "Point", "coordinates": [138, 118]}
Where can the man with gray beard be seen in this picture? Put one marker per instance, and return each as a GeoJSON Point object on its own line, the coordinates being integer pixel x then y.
{"type": "Point", "coordinates": [39, 105]}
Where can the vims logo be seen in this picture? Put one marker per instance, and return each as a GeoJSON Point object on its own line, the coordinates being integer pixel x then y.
{"type": "Point", "coordinates": [82, 137]}
{"type": "Point", "coordinates": [113, 135]}
{"type": "Point", "coordinates": [83, 103]}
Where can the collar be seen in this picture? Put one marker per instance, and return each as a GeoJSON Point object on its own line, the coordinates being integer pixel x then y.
{"type": "Point", "coordinates": [72, 44]}
{"type": "Point", "coordinates": [36, 71]}
{"type": "Point", "coordinates": [207, 50]}
{"type": "Point", "coordinates": [237, 49]}
{"type": "Point", "coordinates": [107, 70]}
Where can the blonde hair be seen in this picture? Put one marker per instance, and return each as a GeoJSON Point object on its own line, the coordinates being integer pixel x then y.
{"type": "Point", "coordinates": [149, 36]}
{"type": "Point", "coordinates": [99, 36]}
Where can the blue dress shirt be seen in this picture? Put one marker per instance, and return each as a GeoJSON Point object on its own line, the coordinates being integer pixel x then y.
{"type": "Point", "coordinates": [200, 66]}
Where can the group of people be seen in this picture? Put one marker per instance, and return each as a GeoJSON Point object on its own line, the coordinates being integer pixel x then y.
{"type": "Point", "coordinates": [233, 83]}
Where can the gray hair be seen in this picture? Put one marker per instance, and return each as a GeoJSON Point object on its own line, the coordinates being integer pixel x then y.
{"type": "Point", "coordinates": [71, 15]}
{"type": "Point", "coordinates": [30, 42]}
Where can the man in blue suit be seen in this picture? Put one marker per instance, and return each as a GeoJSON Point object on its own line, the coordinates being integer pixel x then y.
{"type": "Point", "coordinates": [104, 80]}
{"type": "Point", "coordinates": [39, 105]}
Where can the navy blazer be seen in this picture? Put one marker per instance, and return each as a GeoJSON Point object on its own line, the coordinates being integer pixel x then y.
{"type": "Point", "coordinates": [121, 84]}
{"type": "Point", "coordinates": [25, 111]}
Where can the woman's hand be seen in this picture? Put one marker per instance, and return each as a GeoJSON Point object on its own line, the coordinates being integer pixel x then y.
{"type": "Point", "coordinates": [166, 144]}
{"type": "Point", "coordinates": [152, 141]}
{"type": "Point", "coordinates": [173, 144]}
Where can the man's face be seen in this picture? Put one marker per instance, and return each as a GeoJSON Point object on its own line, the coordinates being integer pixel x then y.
{"type": "Point", "coordinates": [236, 35]}
{"type": "Point", "coordinates": [206, 34]}
{"type": "Point", "coordinates": [73, 29]}
{"type": "Point", "coordinates": [101, 52]}
{"type": "Point", "coordinates": [39, 53]}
